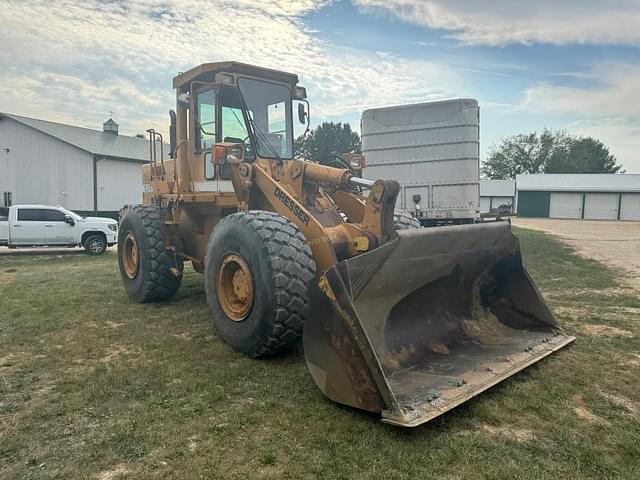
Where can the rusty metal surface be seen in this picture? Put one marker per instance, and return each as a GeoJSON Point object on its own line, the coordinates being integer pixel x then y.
{"type": "Point", "coordinates": [438, 316]}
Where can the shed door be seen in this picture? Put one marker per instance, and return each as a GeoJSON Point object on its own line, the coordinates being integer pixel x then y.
{"type": "Point", "coordinates": [630, 206]}
{"type": "Point", "coordinates": [565, 205]}
{"type": "Point", "coordinates": [601, 206]}
{"type": "Point", "coordinates": [485, 203]}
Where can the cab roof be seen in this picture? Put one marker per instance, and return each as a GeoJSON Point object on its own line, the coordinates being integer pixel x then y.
{"type": "Point", "coordinates": [206, 71]}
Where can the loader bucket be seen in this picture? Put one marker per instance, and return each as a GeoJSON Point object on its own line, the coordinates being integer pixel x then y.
{"type": "Point", "coordinates": [422, 324]}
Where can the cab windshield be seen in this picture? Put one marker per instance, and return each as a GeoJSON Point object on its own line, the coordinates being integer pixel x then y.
{"type": "Point", "coordinates": [269, 111]}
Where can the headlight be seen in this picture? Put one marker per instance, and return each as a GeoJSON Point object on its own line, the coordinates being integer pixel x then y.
{"type": "Point", "coordinates": [113, 226]}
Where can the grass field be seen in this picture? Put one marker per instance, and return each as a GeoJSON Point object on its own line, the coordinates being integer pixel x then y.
{"type": "Point", "coordinates": [95, 386]}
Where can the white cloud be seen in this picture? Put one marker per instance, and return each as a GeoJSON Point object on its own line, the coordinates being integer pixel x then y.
{"type": "Point", "coordinates": [500, 22]}
{"type": "Point", "coordinates": [607, 109]}
{"type": "Point", "coordinates": [614, 91]}
{"type": "Point", "coordinates": [75, 60]}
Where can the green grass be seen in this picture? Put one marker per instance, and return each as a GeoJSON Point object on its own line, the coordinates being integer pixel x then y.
{"type": "Point", "coordinates": [95, 386]}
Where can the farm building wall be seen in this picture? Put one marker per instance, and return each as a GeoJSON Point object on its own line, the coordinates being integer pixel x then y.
{"type": "Point", "coordinates": [118, 183]}
{"type": "Point", "coordinates": [38, 168]}
{"type": "Point", "coordinates": [588, 196]}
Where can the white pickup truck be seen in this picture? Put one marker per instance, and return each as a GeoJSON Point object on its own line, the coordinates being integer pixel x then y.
{"type": "Point", "coordinates": [42, 225]}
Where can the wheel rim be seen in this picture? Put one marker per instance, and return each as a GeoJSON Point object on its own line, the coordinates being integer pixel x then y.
{"type": "Point", "coordinates": [235, 287]}
{"type": "Point", "coordinates": [96, 245]}
{"type": "Point", "coordinates": [130, 256]}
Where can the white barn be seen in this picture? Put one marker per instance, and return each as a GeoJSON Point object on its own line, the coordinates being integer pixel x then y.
{"type": "Point", "coordinates": [88, 171]}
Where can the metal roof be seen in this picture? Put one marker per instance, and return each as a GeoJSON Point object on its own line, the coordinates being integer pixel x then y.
{"type": "Point", "coordinates": [463, 103]}
{"type": "Point", "coordinates": [208, 69]}
{"type": "Point", "coordinates": [497, 188]}
{"type": "Point", "coordinates": [95, 142]}
{"type": "Point", "coordinates": [579, 182]}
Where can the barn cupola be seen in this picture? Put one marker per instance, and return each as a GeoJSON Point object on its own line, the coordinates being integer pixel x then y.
{"type": "Point", "coordinates": [110, 127]}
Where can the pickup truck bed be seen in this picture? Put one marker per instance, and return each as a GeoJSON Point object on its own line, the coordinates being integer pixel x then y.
{"type": "Point", "coordinates": [4, 231]}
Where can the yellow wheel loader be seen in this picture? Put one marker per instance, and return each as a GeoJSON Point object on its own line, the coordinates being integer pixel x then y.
{"type": "Point", "coordinates": [403, 321]}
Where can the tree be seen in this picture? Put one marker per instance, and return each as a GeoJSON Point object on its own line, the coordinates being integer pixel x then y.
{"type": "Point", "coordinates": [548, 152]}
{"type": "Point", "coordinates": [327, 141]}
{"type": "Point", "coordinates": [584, 155]}
{"type": "Point", "coordinates": [519, 154]}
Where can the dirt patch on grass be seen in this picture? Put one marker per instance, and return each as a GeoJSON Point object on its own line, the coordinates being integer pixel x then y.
{"type": "Point", "coordinates": [7, 361]}
{"type": "Point", "coordinates": [633, 361]}
{"type": "Point", "coordinates": [112, 324]}
{"type": "Point", "coordinates": [584, 413]}
{"type": "Point", "coordinates": [113, 473]}
{"type": "Point", "coordinates": [620, 401]}
{"type": "Point", "coordinates": [516, 434]}
{"type": "Point", "coordinates": [184, 336]}
{"type": "Point", "coordinates": [114, 353]}
{"type": "Point", "coordinates": [605, 331]}
{"type": "Point", "coordinates": [193, 443]}
{"type": "Point", "coordinates": [6, 278]}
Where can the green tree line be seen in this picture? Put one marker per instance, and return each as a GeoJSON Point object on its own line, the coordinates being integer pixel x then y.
{"type": "Point", "coordinates": [548, 152]}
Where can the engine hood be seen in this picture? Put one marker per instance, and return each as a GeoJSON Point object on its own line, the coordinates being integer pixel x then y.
{"type": "Point", "coordinates": [99, 220]}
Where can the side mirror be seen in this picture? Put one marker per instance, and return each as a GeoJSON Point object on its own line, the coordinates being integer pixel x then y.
{"type": "Point", "coordinates": [69, 219]}
{"type": "Point", "coordinates": [302, 113]}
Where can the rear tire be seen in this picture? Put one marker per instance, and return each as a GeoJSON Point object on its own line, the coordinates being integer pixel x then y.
{"type": "Point", "coordinates": [145, 265]}
{"type": "Point", "coordinates": [261, 310]}
{"type": "Point", "coordinates": [404, 220]}
{"type": "Point", "coordinates": [95, 244]}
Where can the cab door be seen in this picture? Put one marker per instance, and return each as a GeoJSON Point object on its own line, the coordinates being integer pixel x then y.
{"type": "Point", "coordinates": [56, 230]}
{"type": "Point", "coordinates": [27, 228]}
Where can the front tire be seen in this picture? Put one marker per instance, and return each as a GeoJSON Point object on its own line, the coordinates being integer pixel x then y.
{"type": "Point", "coordinates": [257, 268]}
{"type": "Point", "coordinates": [149, 272]}
{"type": "Point", "coordinates": [95, 244]}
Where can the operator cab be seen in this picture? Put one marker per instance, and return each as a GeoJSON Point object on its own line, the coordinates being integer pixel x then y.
{"type": "Point", "coordinates": [231, 102]}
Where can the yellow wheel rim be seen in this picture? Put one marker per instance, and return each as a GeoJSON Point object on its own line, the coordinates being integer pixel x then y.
{"type": "Point", "coordinates": [130, 256]}
{"type": "Point", "coordinates": [234, 285]}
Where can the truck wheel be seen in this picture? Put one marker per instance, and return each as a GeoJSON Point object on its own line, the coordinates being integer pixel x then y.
{"type": "Point", "coordinates": [404, 220]}
{"type": "Point", "coordinates": [95, 244]}
{"type": "Point", "coordinates": [145, 265]}
{"type": "Point", "coordinates": [256, 271]}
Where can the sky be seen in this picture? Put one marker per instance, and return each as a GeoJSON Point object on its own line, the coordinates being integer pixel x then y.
{"type": "Point", "coordinates": [571, 64]}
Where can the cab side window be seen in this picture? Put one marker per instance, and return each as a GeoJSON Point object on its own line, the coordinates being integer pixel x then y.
{"type": "Point", "coordinates": [206, 127]}
{"type": "Point", "coordinates": [32, 215]}
{"type": "Point", "coordinates": [54, 216]}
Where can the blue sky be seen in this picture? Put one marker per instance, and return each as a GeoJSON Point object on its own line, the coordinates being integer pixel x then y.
{"type": "Point", "coordinates": [570, 65]}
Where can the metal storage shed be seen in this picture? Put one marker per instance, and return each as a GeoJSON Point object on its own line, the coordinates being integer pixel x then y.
{"type": "Point", "coordinates": [588, 196]}
{"type": "Point", "coordinates": [495, 193]}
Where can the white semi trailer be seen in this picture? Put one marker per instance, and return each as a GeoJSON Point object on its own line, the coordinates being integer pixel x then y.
{"type": "Point", "coordinates": [433, 150]}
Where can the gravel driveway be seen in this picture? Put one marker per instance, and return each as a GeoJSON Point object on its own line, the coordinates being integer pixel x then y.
{"type": "Point", "coordinates": [614, 243]}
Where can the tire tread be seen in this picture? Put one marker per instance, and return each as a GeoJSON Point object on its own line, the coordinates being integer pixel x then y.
{"type": "Point", "coordinates": [161, 284]}
{"type": "Point", "coordinates": [292, 266]}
